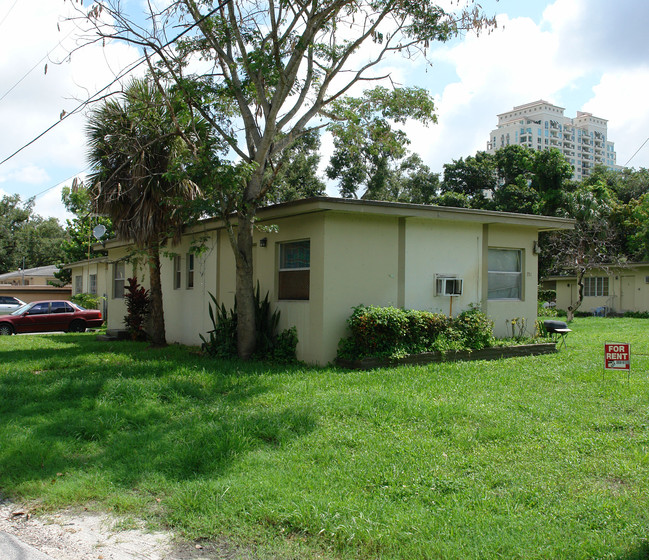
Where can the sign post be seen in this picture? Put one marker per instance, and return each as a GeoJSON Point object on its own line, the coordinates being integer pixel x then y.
{"type": "Point", "coordinates": [617, 356]}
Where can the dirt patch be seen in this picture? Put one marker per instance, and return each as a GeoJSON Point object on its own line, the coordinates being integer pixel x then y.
{"type": "Point", "coordinates": [84, 535]}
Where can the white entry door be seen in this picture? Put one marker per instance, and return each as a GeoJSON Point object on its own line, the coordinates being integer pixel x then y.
{"type": "Point", "coordinates": [627, 293]}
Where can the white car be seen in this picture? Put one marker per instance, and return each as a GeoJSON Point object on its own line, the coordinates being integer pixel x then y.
{"type": "Point", "coordinates": [9, 304]}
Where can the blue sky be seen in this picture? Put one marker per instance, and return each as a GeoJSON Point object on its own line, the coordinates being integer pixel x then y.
{"type": "Point", "coordinates": [583, 55]}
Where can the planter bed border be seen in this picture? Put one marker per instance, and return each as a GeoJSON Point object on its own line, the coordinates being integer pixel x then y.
{"type": "Point", "coordinates": [492, 353]}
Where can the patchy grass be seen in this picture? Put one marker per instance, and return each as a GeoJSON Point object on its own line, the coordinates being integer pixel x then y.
{"type": "Point", "coordinates": [539, 457]}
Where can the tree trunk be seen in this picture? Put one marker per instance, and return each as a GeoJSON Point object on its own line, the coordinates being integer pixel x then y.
{"type": "Point", "coordinates": [246, 328]}
{"type": "Point", "coordinates": [580, 295]}
{"type": "Point", "coordinates": [158, 336]}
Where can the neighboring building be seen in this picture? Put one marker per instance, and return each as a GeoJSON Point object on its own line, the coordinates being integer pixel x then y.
{"type": "Point", "coordinates": [615, 288]}
{"type": "Point", "coordinates": [325, 256]}
{"type": "Point", "coordinates": [39, 276]}
{"type": "Point", "coordinates": [91, 276]}
{"type": "Point", "coordinates": [583, 140]}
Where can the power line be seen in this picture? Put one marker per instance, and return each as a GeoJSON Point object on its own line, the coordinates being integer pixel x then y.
{"type": "Point", "coordinates": [60, 183]}
{"type": "Point", "coordinates": [7, 14]}
{"type": "Point", "coordinates": [119, 77]}
{"type": "Point", "coordinates": [636, 153]}
{"type": "Point", "coordinates": [34, 67]}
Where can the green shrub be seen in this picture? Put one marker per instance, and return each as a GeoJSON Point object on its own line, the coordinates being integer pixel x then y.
{"type": "Point", "coordinates": [637, 314]}
{"type": "Point", "coordinates": [87, 301]}
{"type": "Point", "coordinates": [475, 328]}
{"type": "Point", "coordinates": [388, 331]}
{"type": "Point", "coordinates": [545, 311]}
{"type": "Point", "coordinates": [547, 295]}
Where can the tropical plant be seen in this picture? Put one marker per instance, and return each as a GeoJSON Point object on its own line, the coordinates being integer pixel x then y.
{"type": "Point", "coordinates": [221, 341]}
{"type": "Point", "coordinates": [138, 305]}
{"type": "Point", "coordinates": [135, 143]}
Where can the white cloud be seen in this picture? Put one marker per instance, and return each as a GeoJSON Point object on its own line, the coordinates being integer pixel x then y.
{"type": "Point", "coordinates": [37, 99]}
{"type": "Point", "coordinates": [621, 98]}
{"type": "Point", "coordinates": [49, 204]}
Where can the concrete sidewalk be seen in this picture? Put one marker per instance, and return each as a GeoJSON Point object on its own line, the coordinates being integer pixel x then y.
{"type": "Point", "coordinates": [13, 549]}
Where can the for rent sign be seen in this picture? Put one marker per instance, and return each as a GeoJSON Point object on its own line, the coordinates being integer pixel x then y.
{"type": "Point", "coordinates": [617, 356]}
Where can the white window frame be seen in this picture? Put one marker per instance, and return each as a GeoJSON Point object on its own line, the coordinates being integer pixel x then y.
{"type": "Point", "coordinates": [119, 279]}
{"type": "Point", "coordinates": [596, 286]}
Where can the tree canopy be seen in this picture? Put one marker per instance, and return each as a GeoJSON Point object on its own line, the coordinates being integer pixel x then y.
{"type": "Point", "coordinates": [264, 74]}
{"type": "Point", "coordinates": [27, 239]}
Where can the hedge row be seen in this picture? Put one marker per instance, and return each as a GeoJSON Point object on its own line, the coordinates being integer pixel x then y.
{"type": "Point", "coordinates": [388, 331]}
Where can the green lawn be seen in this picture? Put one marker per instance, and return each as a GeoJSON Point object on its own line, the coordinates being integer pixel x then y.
{"type": "Point", "coordinates": [541, 457]}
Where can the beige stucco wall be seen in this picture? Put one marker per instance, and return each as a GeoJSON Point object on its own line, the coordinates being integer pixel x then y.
{"type": "Point", "coordinates": [186, 309]}
{"type": "Point", "coordinates": [628, 291]}
{"type": "Point", "coordinates": [101, 269]}
{"type": "Point", "coordinates": [503, 311]}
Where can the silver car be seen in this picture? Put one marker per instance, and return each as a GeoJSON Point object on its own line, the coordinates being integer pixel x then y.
{"type": "Point", "coordinates": [9, 304]}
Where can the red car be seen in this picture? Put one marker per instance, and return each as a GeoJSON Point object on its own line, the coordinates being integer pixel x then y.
{"type": "Point", "coordinates": [49, 316]}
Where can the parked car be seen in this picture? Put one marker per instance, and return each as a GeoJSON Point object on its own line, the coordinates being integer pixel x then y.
{"type": "Point", "coordinates": [9, 304]}
{"type": "Point", "coordinates": [50, 316]}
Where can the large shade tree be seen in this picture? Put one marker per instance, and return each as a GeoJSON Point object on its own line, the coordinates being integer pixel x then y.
{"type": "Point", "coordinates": [272, 71]}
{"type": "Point", "coordinates": [134, 147]}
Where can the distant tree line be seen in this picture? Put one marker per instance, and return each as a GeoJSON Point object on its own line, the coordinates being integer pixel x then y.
{"type": "Point", "coordinates": [27, 240]}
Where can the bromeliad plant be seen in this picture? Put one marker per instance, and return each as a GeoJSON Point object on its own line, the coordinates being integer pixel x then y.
{"type": "Point", "coordinates": [222, 339]}
{"type": "Point", "coordinates": [388, 331]}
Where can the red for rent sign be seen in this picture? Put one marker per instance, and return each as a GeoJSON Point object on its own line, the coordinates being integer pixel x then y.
{"type": "Point", "coordinates": [617, 356]}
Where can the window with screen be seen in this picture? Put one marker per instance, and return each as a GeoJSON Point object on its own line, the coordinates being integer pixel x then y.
{"type": "Point", "coordinates": [505, 277]}
{"type": "Point", "coordinates": [177, 272]}
{"type": "Point", "coordinates": [92, 283]}
{"type": "Point", "coordinates": [294, 270]}
{"type": "Point", "coordinates": [119, 277]}
{"type": "Point", "coordinates": [596, 286]}
{"type": "Point", "coordinates": [190, 270]}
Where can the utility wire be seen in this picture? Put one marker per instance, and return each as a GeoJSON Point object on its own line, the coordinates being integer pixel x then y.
{"type": "Point", "coordinates": [640, 148]}
{"type": "Point", "coordinates": [133, 66]}
{"type": "Point", "coordinates": [7, 14]}
{"type": "Point", "coordinates": [34, 67]}
{"type": "Point", "coordinates": [59, 183]}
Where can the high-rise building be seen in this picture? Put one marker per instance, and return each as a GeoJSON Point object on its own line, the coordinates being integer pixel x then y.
{"type": "Point", "coordinates": [541, 126]}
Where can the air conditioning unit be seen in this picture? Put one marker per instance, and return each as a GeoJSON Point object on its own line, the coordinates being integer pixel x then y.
{"type": "Point", "coordinates": [448, 286]}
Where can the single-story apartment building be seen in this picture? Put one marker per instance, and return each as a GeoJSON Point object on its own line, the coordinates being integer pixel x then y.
{"type": "Point", "coordinates": [91, 276]}
{"type": "Point", "coordinates": [320, 257]}
{"type": "Point", "coordinates": [611, 288]}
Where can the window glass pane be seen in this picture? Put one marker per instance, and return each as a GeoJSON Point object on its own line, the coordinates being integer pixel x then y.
{"type": "Point", "coordinates": [177, 272]}
{"type": "Point", "coordinates": [503, 260]}
{"type": "Point", "coordinates": [93, 284]}
{"type": "Point", "coordinates": [294, 274]}
{"type": "Point", "coordinates": [119, 272]}
{"type": "Point", "coordinates": [296, 254]}
{"type": "Point", "coordinates": [505, 274]}
{"type": "Point", "coordinates": [190, 270]}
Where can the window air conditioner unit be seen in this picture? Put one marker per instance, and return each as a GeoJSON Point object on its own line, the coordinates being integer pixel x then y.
{"type": "Point", "coordinates": [447, 286]}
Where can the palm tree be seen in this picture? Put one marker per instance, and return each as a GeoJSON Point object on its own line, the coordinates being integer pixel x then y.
{"type": "Point", "coordinates": [135, 143]}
